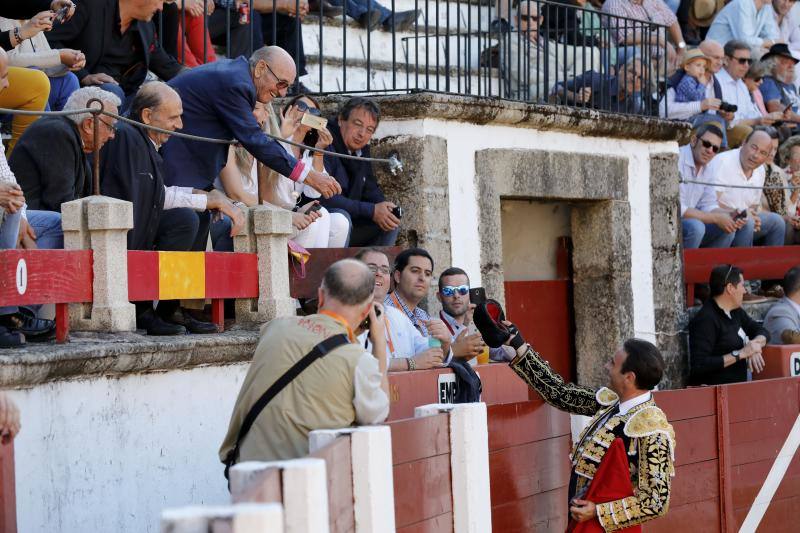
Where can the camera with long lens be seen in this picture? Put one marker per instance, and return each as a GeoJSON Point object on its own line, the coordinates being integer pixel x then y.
{"type": "Point", "coordinates": [728, 108]}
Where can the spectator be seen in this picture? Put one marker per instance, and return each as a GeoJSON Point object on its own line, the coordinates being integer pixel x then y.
{"type": "Point", "coordinates": [13, 228]}
{"type": "Point", "coordinates": [406, 348]}
{"type": "Point", "coordinates": [35, 52]}
{"type": "Point", "coordinates": [649, 11]}
{"type": "Point", "coordinates": [790, 158]}
{"type": "Point", "coordinates": [753, 80]}
{"type": "Point", "coordinates": [456, 315]}
{"type": "Point", "coordinates": [592, 28]}
{"type": "Point", "coordinates": [163, 217]}
{"type": "Point", "coordinates": [778, 199]}
{"type": "Point", "coordinates": [749, 21]}
{"type": "Point", "coordinates": [786, 20]}
{"type": "Point", "coordinates": [708, 106]}
{"type": "Point", "coordinates": [745, 167]}
{"type": "Point", "coordinates": [194, 45]}
{"type": "Point", "coordinates": [348, 386]}
{"type": "Point", "coordinates": [782, 321]}
{"type": "Point", "coordinates": [288, 29]}
{"type": "Point", "coordinates": [704, 223]}
{"type": "Point", "coordinates": [120, 43]}
{"type": "Point", "coordinates": [67, 140]}
{"type": "Point", "coordinates": [778, 90]}
{"type": "Point", "coordinates": [696, 76]}
{"type": "Point", "coordinates": [538, 63]}
{"type": "Point", "coordinates": [218, 101]}
{"type": "Point", "coordinates": [26, 10]}
{"type": "Point", "coordinates": [724, 342]}
{"type": "Point", "coordinates": [562, 22]}
{"type": "Point", "coordinates": [370, 13]}
{"type": "Point", "coordinates": [695, 17]}
{"type": "Point", "coordinates": [9, 418]}
{"type": "Point", "coordinates": [413, 271]}
{"type": "Point", "coordinates": [734, 92]}
{"type": "Point", "coordinates": [372, 219]}
{"type": "Point", "coordinates": [619, 94]}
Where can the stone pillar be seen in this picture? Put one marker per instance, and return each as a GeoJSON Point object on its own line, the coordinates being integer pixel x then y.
{"type": "Point", "coordinates": [238, 518]}
{"type": "Point", "coordinates": [603, 300]}
{"type": "Point", "coordinates": [469, 461]}
{"type": "Point", "coordinates": [102, 224]}
{"type": "Point", "coordinates": [265, 233]}
{"type": "Point", "coordinates": [421, 189]}
{"type": "Point", "coordinates": [373, 487]}
{"type": "Point", "coordinates": [668, 289]}
{"type": "Point", "coordinates": [305, 491]}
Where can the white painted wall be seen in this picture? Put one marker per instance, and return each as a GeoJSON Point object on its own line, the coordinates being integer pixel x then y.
{"type": "Point", "coordinates": [464, 139]}
{"type": "Point", "coordinates": [108, 455]}
{"type": "Point", "coordinates": [526, 226]}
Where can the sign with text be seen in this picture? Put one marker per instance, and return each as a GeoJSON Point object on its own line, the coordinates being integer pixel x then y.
{"type": "Point", "coordinates": [447, 387]}
{"type": "Point", "coordinates": [794, 364]}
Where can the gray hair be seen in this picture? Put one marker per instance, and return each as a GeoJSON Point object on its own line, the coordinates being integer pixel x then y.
{"type": "Point", "coordinates": [349, 282]}
{"type": "Point", "coordinates": [80, 98]}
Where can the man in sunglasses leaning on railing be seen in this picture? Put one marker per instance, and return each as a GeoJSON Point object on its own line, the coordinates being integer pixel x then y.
{"type": "Point", "coordinates": [218, 101]}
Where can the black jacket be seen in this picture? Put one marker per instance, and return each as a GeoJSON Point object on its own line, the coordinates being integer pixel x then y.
{"type": "Point", "coordinates": [50, 165]}
{"type": "Point", "coordinates": [712, 335]}
{"type": "Point", "coordinates": [14, 9]}
{"type": "Point", "coordinates": [131, 169]}
{"type": "Point", "coordinates": [90, 29]}
{"type": "Point", "coordinates": [360, 189]}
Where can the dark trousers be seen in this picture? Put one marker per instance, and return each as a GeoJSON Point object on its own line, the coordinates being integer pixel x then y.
{"type": "Point", "coordinates": [219, 23]}
{"type": "Point", "coordinates": [364, 232]}
{"type": "Point", "coordinates": [288, 35]}
{"type": "Point", "coordinates": [178, 231]}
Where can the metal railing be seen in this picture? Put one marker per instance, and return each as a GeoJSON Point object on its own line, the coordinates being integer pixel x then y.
{"type": "Point", "coordinates": [455, 47]}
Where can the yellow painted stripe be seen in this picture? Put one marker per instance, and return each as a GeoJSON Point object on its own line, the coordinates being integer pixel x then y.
{"type": "Point", "coordinates": [181, 275]}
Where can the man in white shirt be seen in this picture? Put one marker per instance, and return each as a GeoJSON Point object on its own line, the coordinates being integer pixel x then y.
{"type": "Point", "coordinates": [745, 167]}
{"type": "Point", "coordinates": [737, 61]}
{"type": "Point", "coordinates": [406, 347]}
{"type": "Point", "coordinates": [704, 223]}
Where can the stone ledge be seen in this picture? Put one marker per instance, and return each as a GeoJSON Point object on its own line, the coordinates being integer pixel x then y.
{"type": "Point", "coordinates": [90, 355]}
{"type": "Point", "coordinates": [484, 110]}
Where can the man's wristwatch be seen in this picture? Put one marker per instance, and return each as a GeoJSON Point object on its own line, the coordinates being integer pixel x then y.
{"type": "Point", "coordinates": [736, 355]}
{"type": "Point", "coordinates": [681, 45]}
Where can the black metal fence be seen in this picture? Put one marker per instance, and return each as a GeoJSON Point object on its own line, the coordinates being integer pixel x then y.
{"type": "Point", "coordinates": [532, 51]}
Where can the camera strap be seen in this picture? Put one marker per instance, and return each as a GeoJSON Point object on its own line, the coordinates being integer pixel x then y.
{"type": "Point", "coordinates": [317, 352]}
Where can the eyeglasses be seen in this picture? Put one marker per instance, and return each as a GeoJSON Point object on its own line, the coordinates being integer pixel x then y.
{"type": "Point", "coordinates": [706, 144]}
{"type": "Point", "coordinates": [449, 290]}
{"type": "Point", "coordinates": [375, 269]}
{"type": "Point", "coordinates": [743, 60]}
{"type": "Point", "coordinates": [112, 127]}
{"type": "Point", "coordinates": [282, 84]}
{"type": "Point", "coordinates": [302, 106]}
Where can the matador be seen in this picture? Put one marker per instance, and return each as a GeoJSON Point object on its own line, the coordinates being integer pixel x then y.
{"type": "Point", "coordinates": [623, 461]}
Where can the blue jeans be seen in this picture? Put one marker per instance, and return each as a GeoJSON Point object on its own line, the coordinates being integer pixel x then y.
{"type": "Point", "coordinates": [221, 235]}
{"type": "Point", "coordinates": [9, 234]}
{"type": "Point", "coordinates": [356, 8]}
{"type": "Point", "coordinates": [47, 227]}
{"type": "Point", "coordinates": [772, 232]}
{"type": "Point", "coordinates": [697, 234]}
{"type": "Point", "coordinates": [60, 89]}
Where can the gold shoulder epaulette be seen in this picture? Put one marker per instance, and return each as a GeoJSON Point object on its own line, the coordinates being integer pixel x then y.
{"type": "Point", "coordinates": [606, 396]}
{"type": "Point", "coordinates": [649, 421]}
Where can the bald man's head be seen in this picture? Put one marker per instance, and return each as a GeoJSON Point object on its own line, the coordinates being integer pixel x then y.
{"type": "Point", "coordinates": [349, 282]}
{"type": "Point", "coordinates": [157, 104]}
{"type": "Point", "coordinates": [714, 51]}
{"type": "Point", "coordinates": [3, 70]}
{"type": "Point", "coordinates": [273, 71]}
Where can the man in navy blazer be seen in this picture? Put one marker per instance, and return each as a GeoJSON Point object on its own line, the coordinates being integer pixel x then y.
{"type": "Point", "coordinates": [218, 101]}
{"type": "Point", "coordinates": [373, 220]}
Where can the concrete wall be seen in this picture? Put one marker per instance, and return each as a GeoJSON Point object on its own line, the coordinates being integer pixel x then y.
{"type": "Point", "coordinates": [529, 225]}
{"type": "Point", "coordinates": [109, 454]}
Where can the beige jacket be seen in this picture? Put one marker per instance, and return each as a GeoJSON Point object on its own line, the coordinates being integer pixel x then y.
{"type": "Point", "coordinates": [339, 390]}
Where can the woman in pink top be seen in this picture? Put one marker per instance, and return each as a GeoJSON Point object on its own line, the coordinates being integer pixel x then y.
{"type": "Point", "coordinates": [753, 80]}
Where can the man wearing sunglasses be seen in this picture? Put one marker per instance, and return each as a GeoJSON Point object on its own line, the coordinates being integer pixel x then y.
{"type": "Point", "coordinates": [456, 314]}
{"type": "Point", "coordinates": [737, 61]}
{"type": "Point", "coordinates": [704, 223]}
{"type": "Point", "coordinates": [218, 101]}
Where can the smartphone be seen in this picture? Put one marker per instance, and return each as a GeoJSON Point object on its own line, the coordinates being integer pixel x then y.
{"type": "Point", "coordinates": [318, 123]}
{"type": "Point", "coordinates": [313, 208]}
{"type": "Point", "coordinates": [740, 215]}
{"type": "Point", "coordinates": [477, 295]}
{"type": "Point", "coordinates": [61, 14]}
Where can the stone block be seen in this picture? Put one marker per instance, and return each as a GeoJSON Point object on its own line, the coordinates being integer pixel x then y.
{"type": "Point", "coordinates": [268, 220]}
{"type": "Point", "coordinates": [106, 213]}
{"type": "Point", "coordinates": [664, 177]}
{"type": "Point", "coordinates": [601, 238]}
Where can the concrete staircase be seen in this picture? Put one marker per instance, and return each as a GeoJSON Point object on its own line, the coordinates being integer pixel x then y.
{"type": "Point", "coordinates": [443, 55]}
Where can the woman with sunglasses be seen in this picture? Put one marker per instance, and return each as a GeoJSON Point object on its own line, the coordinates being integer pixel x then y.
{"type": "Point", "coordinates": [753, 79]}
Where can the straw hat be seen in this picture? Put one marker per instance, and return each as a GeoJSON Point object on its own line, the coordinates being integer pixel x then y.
{"type": "Point", "coordinates": [691, 55]}
{"type": "Point", "coordinates": [701, 12]}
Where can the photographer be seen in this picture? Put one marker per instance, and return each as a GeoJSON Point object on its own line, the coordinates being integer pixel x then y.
{"type": "Point", "coordinates": [346, 386]}
{"type": "Point", "coordinates": [374, 221]}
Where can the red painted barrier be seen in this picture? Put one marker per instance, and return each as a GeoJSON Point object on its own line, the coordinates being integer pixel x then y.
{"type": "Point", "coordinates": [781, 361]}
{"type": "Point", "coordinates": [762, 262]}
{"type": "Point", "coordinates": [29, 277]}
{"type": "Point", "coordinates": [8, 501]}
